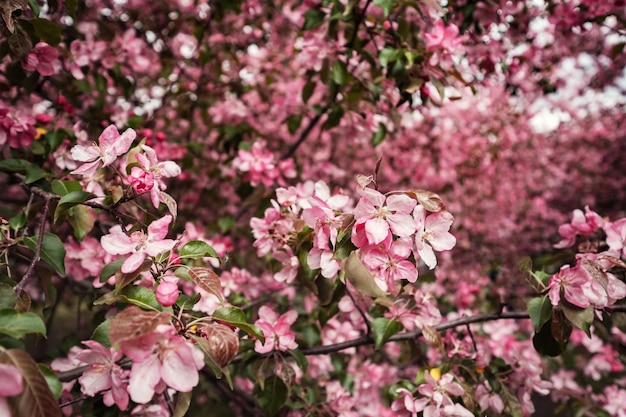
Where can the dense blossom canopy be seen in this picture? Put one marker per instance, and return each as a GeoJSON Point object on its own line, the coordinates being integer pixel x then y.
{"type": "Point", "coordinates": [334, 207]}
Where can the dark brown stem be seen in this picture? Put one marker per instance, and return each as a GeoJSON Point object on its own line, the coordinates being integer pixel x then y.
{"type": "Point", "coordinates": [42, 227]}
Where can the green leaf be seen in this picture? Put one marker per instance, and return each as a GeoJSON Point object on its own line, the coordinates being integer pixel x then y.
{"type": "Point", "coordinates": [70, 200]}
{"type": "Point", "coordinates": [236, 317]}
{"type": "Point", "coordinates": [196, 249]}
{"type": "Point", "coordinates": [141, 297]}
{"type": "Point", "coordinates": [34, 6]}
{"type": "Point", "coordinates": [293, 123]}
{"type": "Point", "coordinates": [101, 334]}
{"type": "Point", "coordinates": [65, 187]}
{"type": "Point", "coordinates": [17, 222]}
{"type": "Point", "coordinates": [540, 311]}
{"type": "Point", "coordinates": [339, 72]}
{"type": "Point", "coordinates": [383, 328]}
{"type": "Point", "coordinates": [71, 7]}
{"type": "Point", "coordinates": [361, 277]}
{"type": "Point", "coordinates": [307, 90]}
{"type": "Point", "coordinates": [46, 30]}
{"type": "Point", "coordinates": [301, 360]}
{"type": "Point", "coordinates": [379, 135]}
{"type": "Point", "coordinates": [51, 378]}
{"type": "Point", "coordinates": [52, 250]}
{"type": "Point", "coordinates": [16, 324]}
{"type": "Point", "coordinates": [386, 5]}
{"type": "Point", "coordinates": [581, 318]}
{"type": "Point", "coordinates": [273, 396]}
{"type": "Point", "coordinates": [82, 221]}
{"type": "Point", "coordinates": [313, 18]}
{"type": "Point", "coordinates": [183, 401]}
{"type": "Point", "coordinates": [389, 55]}
{"type": "Point", "coordinates": [33, 172]}
{"type": "Point", "coordinates": [7, 296]}
{"type": "Point", "coordinates": [132, 294]}
{"type": "Point", "coordinates": [110, 269]}
{"type": "Point", "coordinates": [334, 118]}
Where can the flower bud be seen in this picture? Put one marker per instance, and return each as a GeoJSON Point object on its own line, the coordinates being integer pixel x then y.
{"type": "Point", "coordinates": [167, 293]}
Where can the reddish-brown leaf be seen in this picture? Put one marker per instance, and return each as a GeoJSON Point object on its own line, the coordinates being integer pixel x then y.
{"type": "Point", "coordinates": [208, 281]}
{"type": "Point", "coordinates": [36, 400]}
{"type": "Point", "coordinates": [220, 343]}
{"type": "Point", "coordinates": [134, 322]}
{"type": "Point", "coordinates": [432, 337]}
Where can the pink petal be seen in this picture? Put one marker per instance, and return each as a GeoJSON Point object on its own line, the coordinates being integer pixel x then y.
{"type": "Point", "coordinates": [131, 264]}
{"type": "Point", "coordinates": [401, 203]}
{"type": "Point", "coordinates": [11, 381]}
{"type": "Point", "coordinates": [155, 248]}
{"type": "Point", "coordinates": [117, 243]}
{"type": "Point", "coordinates": [178, 373]}
{"type": "Point", "coordinates": [108, 137]}
{"type": "Point", "coordinates": [144, 377]}
{"type": "Point", "coordinates": [376, 230]}
{"type": "Point", "coordinates": [401, 225]}
{"type": "Point", "coordinates": [428, 256]}
{"type": "Point", "coordinates": [442, 241]}
{"type": "Point", "coordinates": [122, 144]}
{"type": "Point", "coordinates": [158, 229]}
{"type": "Point", "coordinates": [95, 380]}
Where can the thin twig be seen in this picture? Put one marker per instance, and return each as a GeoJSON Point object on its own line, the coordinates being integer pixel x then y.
{"type": "Point", "coordinates": [42, 227]}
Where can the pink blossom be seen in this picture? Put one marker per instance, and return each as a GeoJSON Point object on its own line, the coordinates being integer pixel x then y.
{"type": "Point", "coordinates": [382, 214]}
{"type": "Point", "coordinates": [111, 145]}
{"type": "Point", "coordinates": [324, 260]}
{"type": "Point", "coordinates": [390, 262]}
{"type": "Point", "coordinates": [572, 282]}
{"type": "Point", "coordinates": [444, 37]}
{"type": "Point", "coordinates": [11, 386]}
{"type": "Point", "coordinates": [277, 330]}
{"type": "Point", "coordinates": [139, 244]}
{"type": "Point", "coordinates": [432, 234]}
{"type": "Point", "coordinates": [161, 358]}
{"type": "Point", "coordinates": [141, 181]}
{"type": "Point", "coordinates": [260, 166]}
{"type": "Point", "coordinates": [156, 170]}
{"type": "Point", "coordinates": [104, 374]}
{"type": "Point", "coordinates": [616, 236]}
{"type": "Point", "coordinates": [434, 398]}
{"type": "Point", "coordinates": [290, 265]}
{"type": "Point", "coordinates": [582, 224]}
{"type": "Point", "coordinates": [42, 58]}
{"type": "Point", "coordinates": [325, 224]}
{"type": "Point", "coordinates": [167, 293]}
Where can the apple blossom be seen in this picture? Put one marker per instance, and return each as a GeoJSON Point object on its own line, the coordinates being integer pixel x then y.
{"type": "Point", "coordinates": [278, 335]}
{"type": "Point", "coordinates": [138, 243]}
{"type": "Point", "coordinates": [12, 385]}
{"type": "Point", "coordinates": [167, 293]}
{"type": "Point", "coordinates": [111, 145]}
{"type": "Point", "coordinates": [161, 359]}
{"type": "Point", "coordinates": [42, 58]}
{"type": "Point", "coordinates": [432, 234]}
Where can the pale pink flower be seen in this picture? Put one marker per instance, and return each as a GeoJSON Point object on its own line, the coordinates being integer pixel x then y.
{"type": "Point", "coordinates": [290, 265]}
{"type": "Point", "coordinates": [161, 359]}
{"type": "Point", "coordinates": [443, 37]}
{"type": "Point", "coordinates": [616, 236]}
{"type": "Point", "coordinates": [42, 58]}
{"type": "Point", "coordinates": [583, 224]}
{"type": "Point", "coordinates": [382, 215]}
{"type": "Point", "coordinates": [432, 234]}
{"type": "Point", "coordinates": [139, 244]}
{"type": "Point", "coordinates": [11, 385]}
{"type": "Point", "coordinates": [150, 163]}
{"type": "Point", "coordinates": [104, 375]}
{"type": "Point", "coordinates": [324, 260]}
{"type": "Point", "coordinates": [434, 398]}
{"type": "Point", "coordinates": [390, 262]}
{"type": "Point", "coordinates": [277, 330]}
{"type": "Point", "coordinates": [260, 167]}
{"type": "Point", "coordinates": [325, 224]}
{"type": "Point", "coordinates": [111, 145]}
{"type": "Point", "coordinates": [572, 282]}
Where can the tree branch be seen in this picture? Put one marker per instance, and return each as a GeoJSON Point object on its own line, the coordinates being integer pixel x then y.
{"type": "Point", "coordinates": [42, 228]}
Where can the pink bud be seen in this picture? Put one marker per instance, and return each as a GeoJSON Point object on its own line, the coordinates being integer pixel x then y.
{"type": "Point", "coordinates": [43, 118]}
{"type": "Point", "coordinates": [161, 137]}
{"type": "Point", "coordinates": [167, 293]}
{"type": "Point", "coordinates": [175, 259]}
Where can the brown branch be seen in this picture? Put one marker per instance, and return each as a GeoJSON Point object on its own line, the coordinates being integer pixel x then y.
{"type": "Point", "coordinates": [42, 227]}
{"type": "Point", "coordinates": [305, 133]}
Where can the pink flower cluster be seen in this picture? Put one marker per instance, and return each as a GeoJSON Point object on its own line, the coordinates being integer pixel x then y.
{"type": "Point", "coordinates": [389, 229]}
{"type": "Point", "coordinates": [43, 58]}
{"type": "Point", "coordinates": [16, 129]}
{"type": "Point", "coordinates": [260, 166]}
{"type": "Point", "coordinates": [277, 330]}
